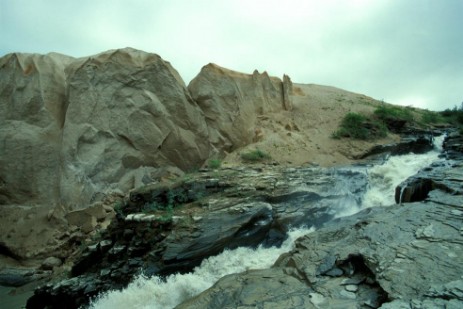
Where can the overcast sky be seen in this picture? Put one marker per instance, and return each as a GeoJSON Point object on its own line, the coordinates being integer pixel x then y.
{"type": "Point", "coordinates": [407, 52]}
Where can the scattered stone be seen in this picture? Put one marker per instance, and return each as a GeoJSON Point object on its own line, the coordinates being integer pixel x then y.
{"type": "Point", "coordinates": [347, 294]}
{"type": "Point", "coordinates": [51, 262]}
{"type": "Point", "coordinates": [351, 288]}
{"type": "Point", "coordinates": [16, 277]}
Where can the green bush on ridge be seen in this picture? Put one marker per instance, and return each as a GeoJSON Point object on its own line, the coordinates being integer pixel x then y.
{"type": "Point", "coordinates": [255, 156]}
{"type": "Point", "coordinates": [393, 113]}
{"type": "Point", "coordinates": [358, 126]}
{"type": "Point", "coordinates": [454, 116]}
{"type": "Point", "coordinates": [214, 163]}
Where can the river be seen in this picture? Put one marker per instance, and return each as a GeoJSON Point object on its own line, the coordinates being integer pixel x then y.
{"type": "Point", "coordinates": [155, 293]}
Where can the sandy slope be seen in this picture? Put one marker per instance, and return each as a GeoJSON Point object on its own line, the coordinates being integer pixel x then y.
{"type": "Point", "coordinates": [303, 135]}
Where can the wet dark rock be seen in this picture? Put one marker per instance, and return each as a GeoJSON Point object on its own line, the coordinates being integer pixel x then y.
{"type": "Point", "coordinates": [453, 146]}
{"type": "Point", "coordinates": [417, 143]}
{"type": "Point", "coordinates": [241, 225]}
{"type": "Point", "coordinates": [397, 257]}
{"type": "Point", "coordinates": [445, 175]}
{"type": "Point", "coordinates": [17, 277]}
{"type": "Point", "coordinates": [233, 208]}
{"type": "Point", "coordinates": [51, 262]}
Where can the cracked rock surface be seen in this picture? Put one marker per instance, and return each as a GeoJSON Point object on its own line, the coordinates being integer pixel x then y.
{"type": "Point", "coordinates": [401, 256]}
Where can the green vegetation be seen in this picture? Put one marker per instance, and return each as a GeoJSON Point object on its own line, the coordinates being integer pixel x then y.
{"type": "Point", "coordinates": [255, 156]}
{"type": "Point", "coordinates": [118, 207]}
{"type": "Point", "coordinates": [429, 117]}
{"type": "Point", "coordinates": [454, 116]}
{"type": "Point", "coordinates": [173, 199]}
{"type": "Point", "coordinates": [358, 126]}
{"type": "Point", "coordinates": [391, 118]}
{"type": "Point", "coordinates": [389, 114]}
{"type": "Point", "coordinates": [214, 163]}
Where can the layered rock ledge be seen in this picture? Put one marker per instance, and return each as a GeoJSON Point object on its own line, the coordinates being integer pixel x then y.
{"type": "Point", "coordinates": [402, 256]}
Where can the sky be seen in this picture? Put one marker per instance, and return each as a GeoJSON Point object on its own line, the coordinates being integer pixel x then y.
{"type": "Point", "coordinates": [407, 52]}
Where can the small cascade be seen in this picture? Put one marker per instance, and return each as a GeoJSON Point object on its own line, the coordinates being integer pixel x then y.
{"type": "Point", "coordinates": [402, 190]}
{"type": "Point", "coordinates": [384, 178]}
{"type": "Point", "coordinates": [155, 292]}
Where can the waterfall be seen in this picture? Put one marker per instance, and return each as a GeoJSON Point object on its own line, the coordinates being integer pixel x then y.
{"type": "Point", "coordinates": [155, 293]}
{"type": "Point", "coordinates": [384, 178]}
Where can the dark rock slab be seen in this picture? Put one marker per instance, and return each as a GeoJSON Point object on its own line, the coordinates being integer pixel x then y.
{"type": "Point", "coordinates": [242, 225]}
{"type": "Point", "coordinates": [389, 257]}
{"type": "Point", "coordinates": [211, 212]}
{"type": "Point", "coordinates": [446, 175]}
{"type": "Point", "coordinates": [16, 277]}
{"type": "Point", "coordinates": [420, 142]}
{"type": "Point", "coordinates": [453, 146]}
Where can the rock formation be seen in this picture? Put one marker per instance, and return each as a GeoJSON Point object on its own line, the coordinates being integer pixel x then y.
{"type": "Point", "coordinates": [401, 256]}
{"type": "Point", "coordinates": [240, 207]}
{"type": "Point", "coordinates": [77, 131]}
{"type": "Point", "coordinates": [128, 112]}
{"type": "Point", "coordinates": [74, 127]}
{"type": "Point", "coordinates": [287, 86]}
{"type": "Point", "coordinates": [232, 102]}
{"type": "Point", "coordinates": [396, 257]}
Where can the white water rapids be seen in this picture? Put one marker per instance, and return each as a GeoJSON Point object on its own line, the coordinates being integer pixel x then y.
{"type": "Point", "coordinates": [155, 293]}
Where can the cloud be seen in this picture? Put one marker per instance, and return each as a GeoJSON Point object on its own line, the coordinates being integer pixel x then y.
{"type": "Point", "coordinates": [399, 51]}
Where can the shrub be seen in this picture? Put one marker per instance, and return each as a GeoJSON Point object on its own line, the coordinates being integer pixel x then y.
{"type": "Point", "coordinates": [360, 127]}
{"type": "Point", "coordinates": [214, 163]}
{"type": "Point", "coordinates": [165, 203]}
{"type": "Point", "coordinates": [388, 113]}
{"type": "Point", "coordinates": [454, 116]}
{"type": "Point", "coordinates": [429, 117]}
{"type": "Point", "coordinates": [255, 155]}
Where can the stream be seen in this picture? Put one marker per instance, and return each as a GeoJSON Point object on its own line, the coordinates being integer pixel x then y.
{"type": "Point", "coordinates": [155, 292]}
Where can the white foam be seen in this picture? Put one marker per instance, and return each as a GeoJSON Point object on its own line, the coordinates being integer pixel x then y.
{"type": "Point", "coordinates": [155, 293]}
{"type": "Point", "coordinates": [384, 178]}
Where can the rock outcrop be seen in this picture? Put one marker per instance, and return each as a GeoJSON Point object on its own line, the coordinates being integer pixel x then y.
{"type": "Point", "coordinates": [32, 113]}
{"type": "Point", "coordinates": [78, 131]}
{"type": "Point", "coordinates": [445, 175]}
{"type": "Point", "coordinates": [79, 134]}
{"type": "Point", "coordinates": [233, 101]}
{"type": "Point", "coordinates": [171, 227]}
{"type": "Point", "coordinates": [386, 257]}
{"type": "Point", "coordinates": [72, 128]}
{"type": "Point", "coordinates": [401, 256]}
{"type": "Point", "coordinates": [128, 112]}
{"type": "Point", "coordinates": [238, 207]}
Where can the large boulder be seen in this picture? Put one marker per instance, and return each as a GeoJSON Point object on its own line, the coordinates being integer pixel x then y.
{"type": "Point", "coordinates": [71, 128]}
{"type": "Point", "coordinates": [127, 110]}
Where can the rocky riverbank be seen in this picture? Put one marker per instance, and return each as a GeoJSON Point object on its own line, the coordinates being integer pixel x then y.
{"type": "Point", "coordinates": [217, 209]}
{"type": "Point", "coordinates": [401, 256]}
